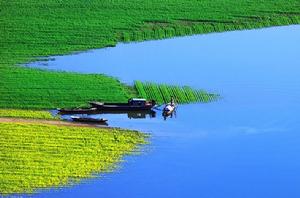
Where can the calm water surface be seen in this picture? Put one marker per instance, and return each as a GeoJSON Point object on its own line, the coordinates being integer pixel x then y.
{"type": "Point", "coordinates": [245, 145]}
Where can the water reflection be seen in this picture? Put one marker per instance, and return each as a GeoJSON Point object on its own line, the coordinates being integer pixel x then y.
{"type": "Point", "coordinates": [169, 115]}
{"type": "Point", "coordinates": [132, 114]}
{"type": "Point", "coordinates": [104, 114]}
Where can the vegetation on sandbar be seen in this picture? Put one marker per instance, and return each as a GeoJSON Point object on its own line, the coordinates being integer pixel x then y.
{"type": "Point", "coordinates": [41, 156]}
{"type": "Point", "coordinates": [162, 93]}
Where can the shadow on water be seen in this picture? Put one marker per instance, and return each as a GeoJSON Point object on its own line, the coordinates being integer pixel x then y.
{"type": "Point", "coordinates": [111, 114]}
{"type": "Point", "coordinates": [104, 114]}
{"type": "Point", "coordinates": [245, 145]}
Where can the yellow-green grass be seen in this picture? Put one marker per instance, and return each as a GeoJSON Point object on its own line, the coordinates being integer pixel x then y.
{"type": "Point", "coordinates": [41, 156]}
{"type": "Point", "coordinates": [31, 29]}
{"type": "Point", "coordinates": [20, 113]}
{"type": "Point", "coordinates": [162, 93]}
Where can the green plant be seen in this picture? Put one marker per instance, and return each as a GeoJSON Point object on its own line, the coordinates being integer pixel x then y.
{"type": "Point", "coordinates": [162, 93]}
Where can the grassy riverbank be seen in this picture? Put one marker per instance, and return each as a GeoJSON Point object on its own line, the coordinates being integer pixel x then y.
{"type": "Point", "coordinates": [37, 89]}
{"type": "Point", "coordinates": [40, 151]}
{"type": "Point", "coordinates": [41, 156]}
{"type": "Point", "coordinates": [19, 113]}
{"type": "Point", "coordinates": [41, 28]}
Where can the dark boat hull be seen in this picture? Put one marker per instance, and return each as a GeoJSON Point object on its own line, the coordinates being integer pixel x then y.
{"type": "Point", "coordinates": [78, 111]}
{"type": "Point", "coordinates": [89, 120]}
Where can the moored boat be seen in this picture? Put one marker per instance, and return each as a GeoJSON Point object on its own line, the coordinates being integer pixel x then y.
{"type": "Point", "coordinates": [77, 110]}
{"type": "Point", "coordinates": [89, 120]}
{"type": "Point", "coordinates": [134, 104]}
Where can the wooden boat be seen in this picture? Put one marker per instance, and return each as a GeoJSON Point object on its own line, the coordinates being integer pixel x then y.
{"type": "Point", "coordinates": [78, 111]}
{"type": "Point", "coordinates": [134, 104]}
{"type": "Point", "coordinates": [89, 120]}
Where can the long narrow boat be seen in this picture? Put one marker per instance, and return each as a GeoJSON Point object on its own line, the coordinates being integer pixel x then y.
{"type": "Point", "coordinates": [134, 104]}
{"type": "Point", "coordinates": [89, 120]}
{"type": "Point", "coordinates": [77, 111]}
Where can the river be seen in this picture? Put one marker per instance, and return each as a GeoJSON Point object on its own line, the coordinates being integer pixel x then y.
{"type": "Point", "coordinates": [246, 144]}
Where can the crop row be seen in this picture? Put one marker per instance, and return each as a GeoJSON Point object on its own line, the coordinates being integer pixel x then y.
{"type": "Point", "coordinates": [162, 93]}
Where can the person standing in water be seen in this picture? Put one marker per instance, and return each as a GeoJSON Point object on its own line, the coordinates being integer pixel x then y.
{"type": "Point", "coordinates": [172, 102]}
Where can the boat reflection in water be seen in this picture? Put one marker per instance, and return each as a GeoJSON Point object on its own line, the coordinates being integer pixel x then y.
{"type": "Point", "coordinates": [132, 114]}
{"type": "Point", "coordinates": [95, 116]}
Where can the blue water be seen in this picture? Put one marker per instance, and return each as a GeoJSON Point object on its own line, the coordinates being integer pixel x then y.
{"type": "Point", "coordinates": [245, 145]}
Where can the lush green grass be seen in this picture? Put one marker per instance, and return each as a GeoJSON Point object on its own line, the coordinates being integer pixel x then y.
{"type": "Point", "coordinates": [30, 88]}
{"type": "Point", "coordinates": [19, 113]}
{"type": "Point", "coordinates": [162, 93]}
{"type": "Point", "coordinates": [30, 29]}
{"type": "Point", "coordinates": [40, 156]}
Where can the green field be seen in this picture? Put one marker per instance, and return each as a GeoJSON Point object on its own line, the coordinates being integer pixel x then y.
{"type": "Point", "coordinates": [41, 156]}
{"type": "Point", "coordinates": [36, 89]}
{"type": "Point", "coordinates": [30, 29]}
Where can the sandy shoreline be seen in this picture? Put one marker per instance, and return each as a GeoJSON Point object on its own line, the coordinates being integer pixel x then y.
{"type": "Point", "coordinates": [51, 122]}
